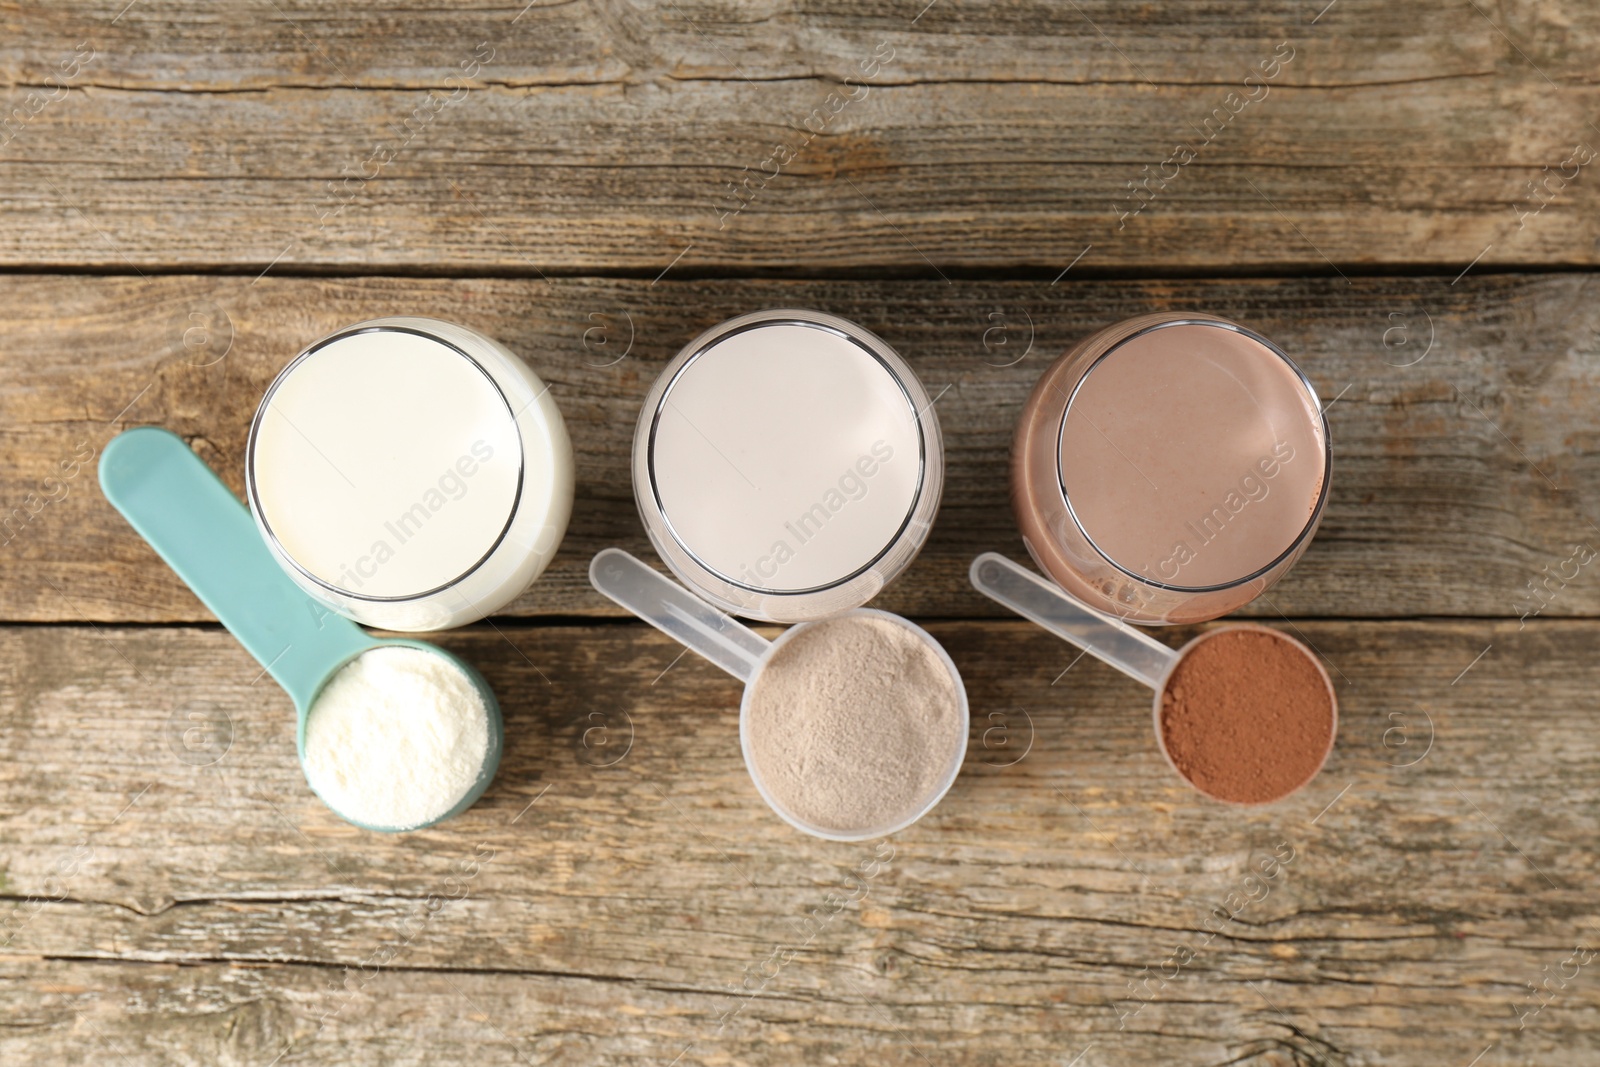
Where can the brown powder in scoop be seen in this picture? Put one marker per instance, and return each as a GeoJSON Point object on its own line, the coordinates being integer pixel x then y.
{"type": "Point", "coordinates": [854, 723]}
{"type": "Point", "coordinates": [1247, 716]}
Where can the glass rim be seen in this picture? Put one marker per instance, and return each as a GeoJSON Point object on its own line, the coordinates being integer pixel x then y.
{"type": "Point", "coordinates": [688, 563]}
{"type": "Point", "coordinates": [1312, 520]}
{"type": "Point", "coordinates": [259, 511]}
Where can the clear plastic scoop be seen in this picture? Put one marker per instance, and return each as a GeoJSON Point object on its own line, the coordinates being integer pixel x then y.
{"type": "Point", "coordinates": [1112, 641]}
{"type": "Point", "coordinates": [200, 528]}
{"type": "Point", "coordinates": [1109, 640]}
{"type": "Point", "coordinates": [743, 653]}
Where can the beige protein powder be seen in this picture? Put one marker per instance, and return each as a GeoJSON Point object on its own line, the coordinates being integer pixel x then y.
{"type": "Point", "coordinates": [853, 724]}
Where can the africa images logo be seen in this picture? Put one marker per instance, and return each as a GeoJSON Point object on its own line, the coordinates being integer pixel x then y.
{"type": "Point", "coordinates": [851, 485]}
{"type": "Point", "coordinates": [1208, 527]}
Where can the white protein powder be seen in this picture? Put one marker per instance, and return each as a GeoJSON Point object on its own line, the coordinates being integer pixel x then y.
{"type": "Point", "coordinates": [397, 738]}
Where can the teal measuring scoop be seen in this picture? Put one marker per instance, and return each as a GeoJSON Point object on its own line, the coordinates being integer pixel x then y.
{"type": "Point", "coordinates": [179, 505]}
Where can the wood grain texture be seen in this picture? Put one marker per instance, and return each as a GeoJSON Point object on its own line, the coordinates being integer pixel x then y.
{"type": "Point", "coordinates": [213, 186]}
{"type": "Point", "coordinates": [604, 137]}
{"type": "Point", "coordinates": [1458, 480]}
{"type": "Point", "coordinates": [230, 45]}
{"type": "Point", "coordinates": [188, 900]}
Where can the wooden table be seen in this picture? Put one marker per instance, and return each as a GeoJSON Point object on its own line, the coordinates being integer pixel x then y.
{"type": "Point", "coordinates": [192, 192]}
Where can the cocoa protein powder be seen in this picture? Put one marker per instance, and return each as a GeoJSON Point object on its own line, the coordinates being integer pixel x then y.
{"type": "Point", "coordinates": [1247, 716]}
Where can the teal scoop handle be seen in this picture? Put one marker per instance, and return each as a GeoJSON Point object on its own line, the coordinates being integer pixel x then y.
{"type": "Point", "coordinates": [206, 535]}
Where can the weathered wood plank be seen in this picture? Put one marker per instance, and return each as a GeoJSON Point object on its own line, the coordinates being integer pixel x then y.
{"type": "Point", "coordinates": [604, 137]}
{"type": "Point", "coordinates": [1459, 480]}
{"type": "Point", "coordinates": [63, 1011]}
{"type": "Point", "coordinates": [233, 45]}
{"type": "Point", "coordinates": [605, 901]}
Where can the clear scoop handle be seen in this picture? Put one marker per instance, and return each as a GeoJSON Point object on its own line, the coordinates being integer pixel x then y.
{"type": "Point", "coordinates": [1112, 641]}
{"type": "Point", "coordinates": [676, 612]}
